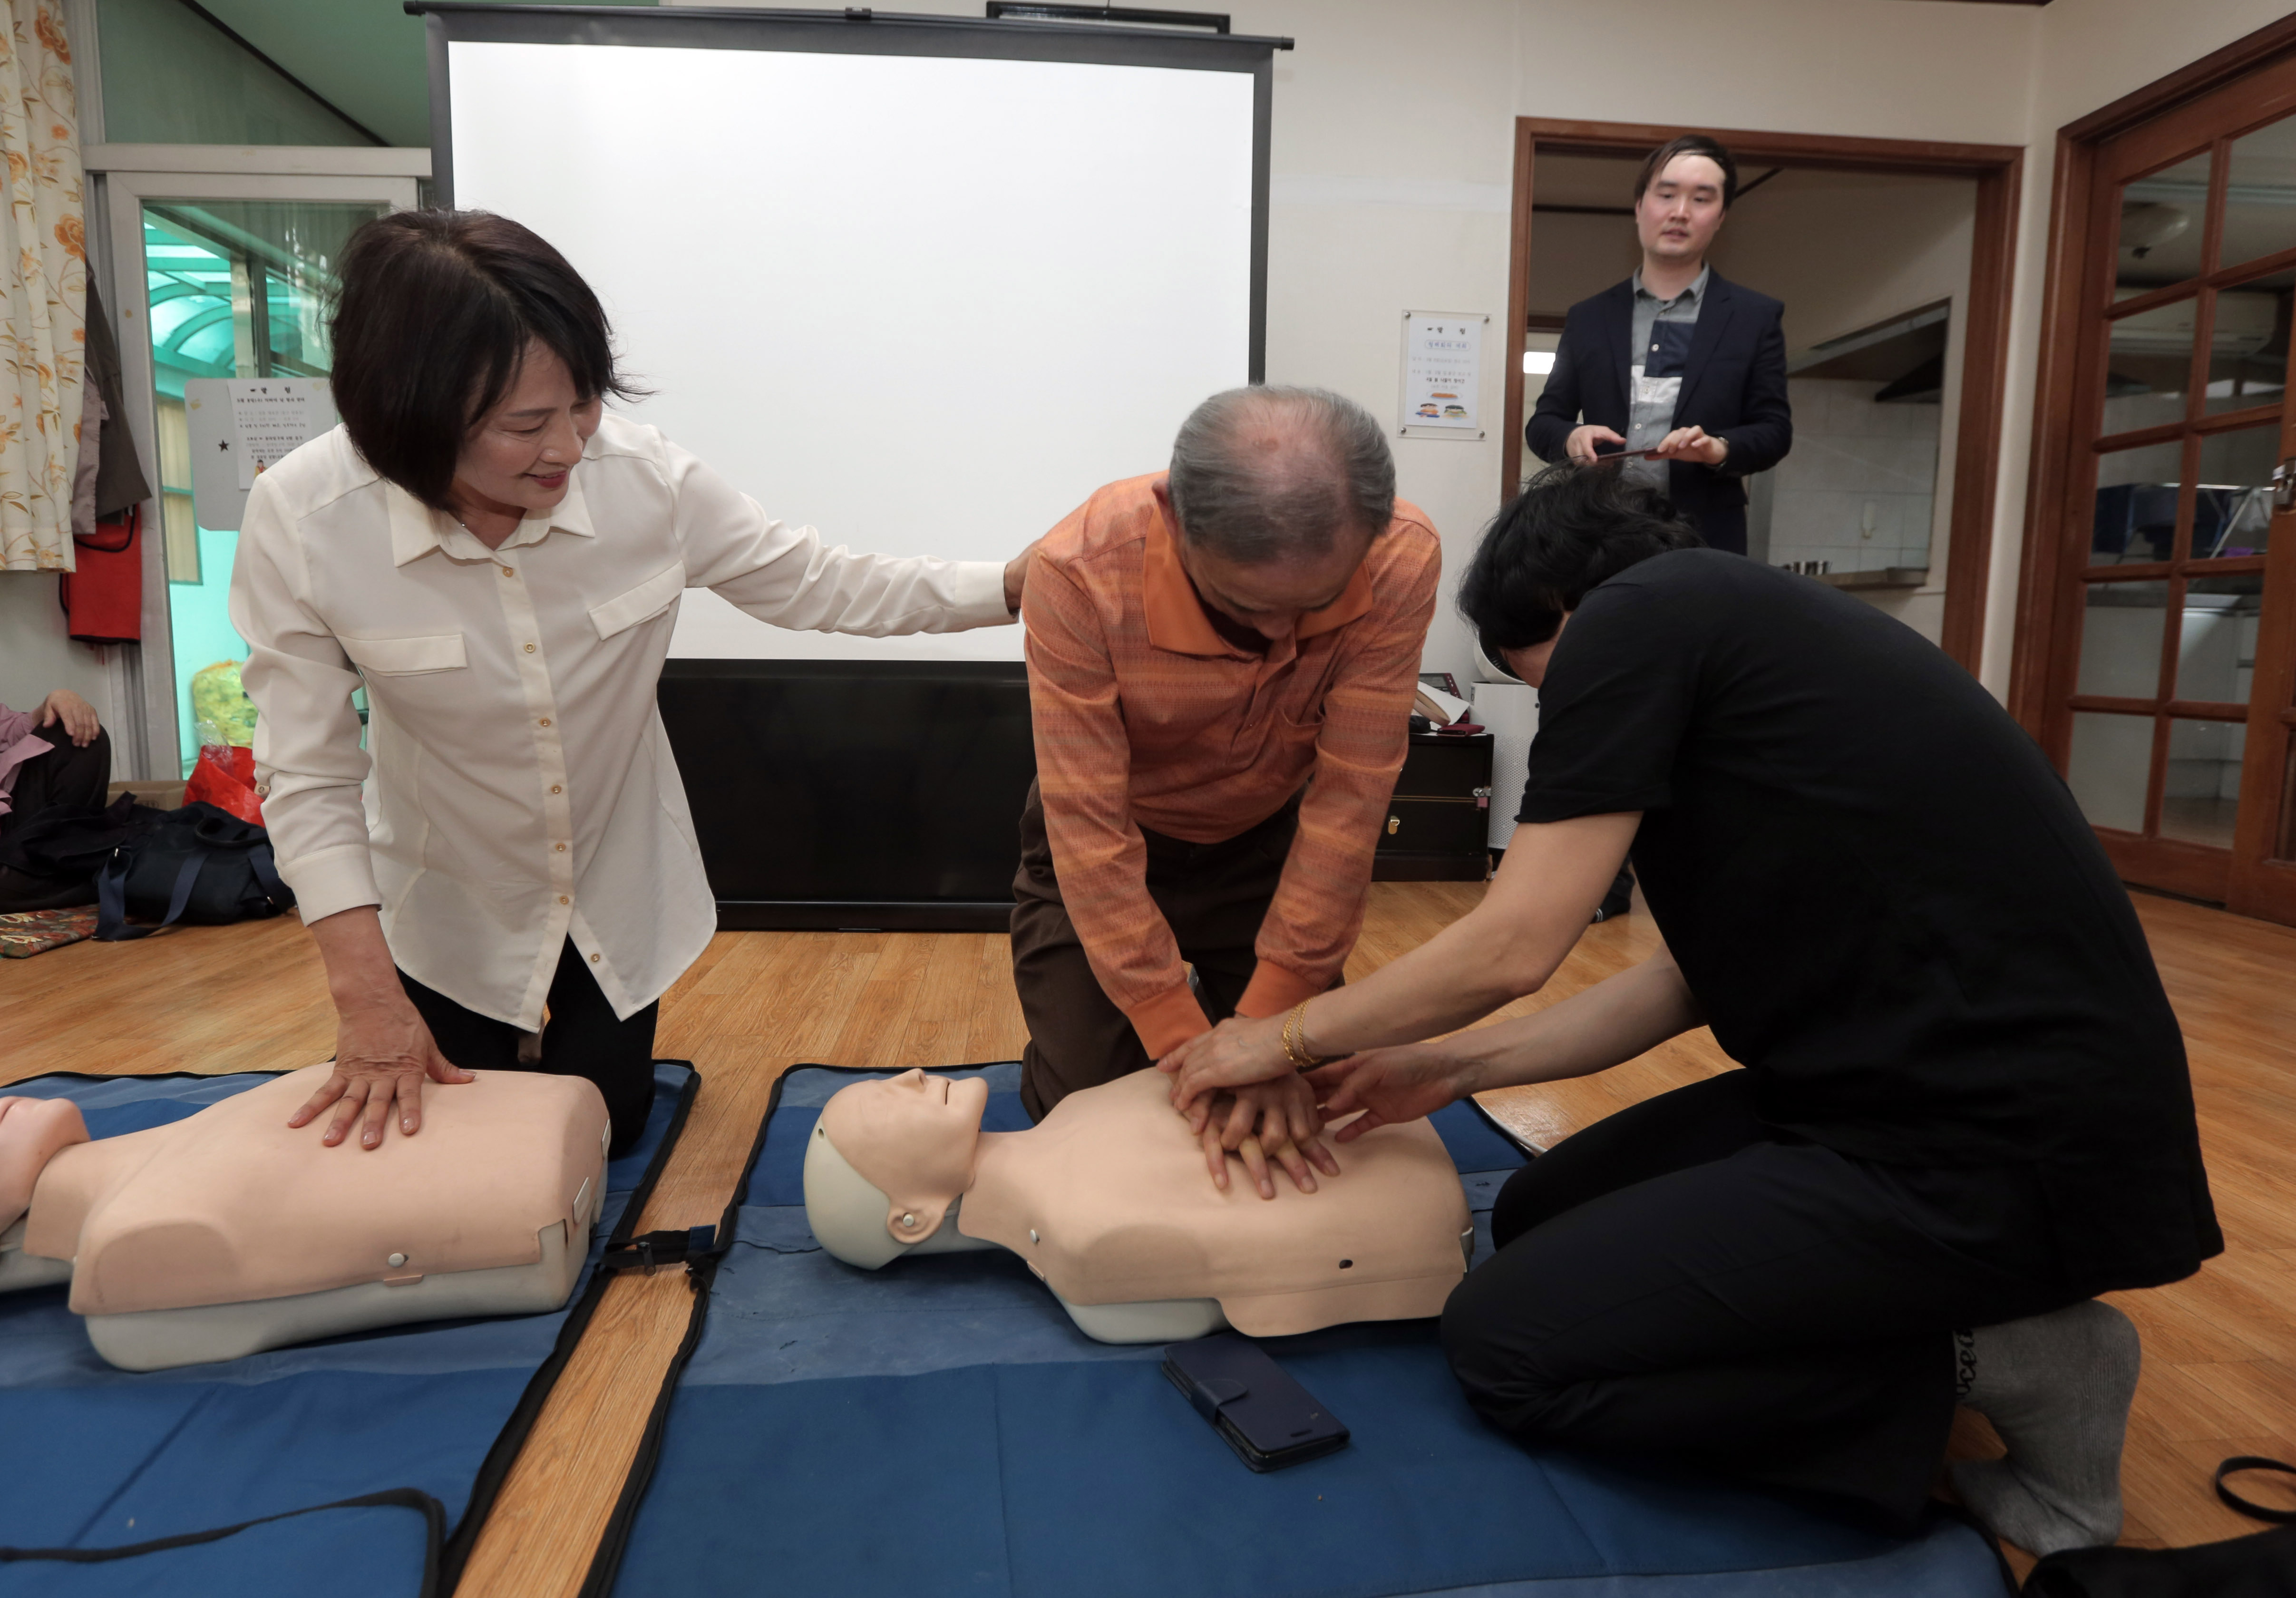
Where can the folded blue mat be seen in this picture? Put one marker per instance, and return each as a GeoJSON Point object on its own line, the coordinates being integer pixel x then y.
{"type": "Point", "coordinates": [356, 1465]}
{"type": "Point", "coordinates": [941, 1427]}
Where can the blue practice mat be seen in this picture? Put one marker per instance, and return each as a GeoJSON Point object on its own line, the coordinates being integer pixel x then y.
{"type": "Point", "coordinates": [359, 1465]}
{"type": "Point", "coordinates": [941, 1427]}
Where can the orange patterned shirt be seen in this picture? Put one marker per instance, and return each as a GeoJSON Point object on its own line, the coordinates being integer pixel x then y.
{"type": "Point", "coordinates": [1145, 717]}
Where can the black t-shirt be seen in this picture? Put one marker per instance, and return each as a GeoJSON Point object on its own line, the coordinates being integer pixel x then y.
{"type": "Point", "coordinates": [1883, 896]}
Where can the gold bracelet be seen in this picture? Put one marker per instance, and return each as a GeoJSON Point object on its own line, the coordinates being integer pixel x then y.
{"type": "Point", "coordinates": [1295, 1040]}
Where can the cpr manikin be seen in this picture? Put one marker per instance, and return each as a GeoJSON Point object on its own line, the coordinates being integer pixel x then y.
{"type": "Point", "coordinates": [226, 1232]}
{"type": "Point", "coordinates": [1107, 1200]}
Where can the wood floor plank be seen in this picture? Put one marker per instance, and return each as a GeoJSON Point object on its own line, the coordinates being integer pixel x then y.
{"type": "Point", "coordinates": [2220, 1349]}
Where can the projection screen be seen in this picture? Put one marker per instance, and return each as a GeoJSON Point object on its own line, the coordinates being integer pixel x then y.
{"type": "Point", "coordinates": [923, 282]}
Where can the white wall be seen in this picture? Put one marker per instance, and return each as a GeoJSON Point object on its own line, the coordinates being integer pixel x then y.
{"type": "Point", "coordinates": [37, 656]}
{"type": "Point", "coordinates": [1847, 251]}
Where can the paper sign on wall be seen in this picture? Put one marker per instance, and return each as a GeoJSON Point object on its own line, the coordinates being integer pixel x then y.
{"type": "Point", "coordinates": [271, 415]}
{"type": "Point", "coordinates": [1443, 374]}
{"type": "Point", "coordinates": [241, 427]}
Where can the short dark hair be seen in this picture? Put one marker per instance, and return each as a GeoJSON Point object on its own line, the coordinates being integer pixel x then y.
{"type": "Point", "coordinates": [1230, 496]}
{"type": "Point", "coordinates": [1571, 528]}
{"type": "Point", "coordinates": [1690, 144]}
{"type": "Point", "coordinates": [433, 315]}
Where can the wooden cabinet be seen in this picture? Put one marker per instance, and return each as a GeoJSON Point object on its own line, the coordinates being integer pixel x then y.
{"type": "Point", "coordinates": [1437, 821]}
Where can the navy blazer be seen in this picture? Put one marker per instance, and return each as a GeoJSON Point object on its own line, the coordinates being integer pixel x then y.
{"type": "Point", "coordinates": [1733, 385]}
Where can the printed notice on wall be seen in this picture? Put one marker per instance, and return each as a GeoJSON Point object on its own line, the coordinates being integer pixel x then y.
{"type": "Point", "coordinates": [271, 415]}
{"type": "Point", "coordinates": [1443, 373]}
{"type": "Point", "coordinates": [241, 427]}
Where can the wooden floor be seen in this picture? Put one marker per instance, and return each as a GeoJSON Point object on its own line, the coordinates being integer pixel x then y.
{"type": "Point", "coordinates": [2220, 1349]}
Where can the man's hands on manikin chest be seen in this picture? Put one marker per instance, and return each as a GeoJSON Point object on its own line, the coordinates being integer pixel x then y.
{"type": "Point", "coordinates": [1275, 1121]}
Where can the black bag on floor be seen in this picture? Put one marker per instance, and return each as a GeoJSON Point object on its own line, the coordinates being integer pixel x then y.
{"type": "Point", "coordinates": [200, 864]}
{"type": "Point", "coordinates": [2259, 1566]}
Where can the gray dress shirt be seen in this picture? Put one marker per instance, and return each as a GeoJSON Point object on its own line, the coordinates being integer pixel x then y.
{"type": "Point", "coordinates": [1655, 361]}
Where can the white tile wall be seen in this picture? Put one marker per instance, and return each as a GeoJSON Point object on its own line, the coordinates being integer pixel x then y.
{"type": "Point", "coordinates": [1859, 489]}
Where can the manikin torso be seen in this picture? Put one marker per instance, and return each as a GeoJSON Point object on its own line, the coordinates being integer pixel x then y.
{"type": "Point", "coordinates": [1108, 1201]}
{"type": "Point", "coordinates": [227, 1233]}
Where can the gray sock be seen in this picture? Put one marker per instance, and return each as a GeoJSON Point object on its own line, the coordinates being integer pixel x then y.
{"type": "Point", "coordinates": [2057, 1387]}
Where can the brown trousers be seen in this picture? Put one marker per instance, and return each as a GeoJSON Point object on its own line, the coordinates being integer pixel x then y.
{"type": "Point", "coordinates": [1213, 896]}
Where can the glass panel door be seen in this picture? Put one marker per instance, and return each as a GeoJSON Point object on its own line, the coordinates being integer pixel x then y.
{"type": "Point", "coordinates": [237, 288]}
{"type": "Point", "coordinates": [2176, 692]}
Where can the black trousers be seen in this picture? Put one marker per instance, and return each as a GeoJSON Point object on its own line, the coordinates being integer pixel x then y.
{"type": "Point", "coordinates": [1213, 896]}
{"type": "Point", "coordinates": [581, 1038]}
{"type": "Point", "coordinates": [66, 775]}
{"type": "Point", "coordinates": [1683, 1284]}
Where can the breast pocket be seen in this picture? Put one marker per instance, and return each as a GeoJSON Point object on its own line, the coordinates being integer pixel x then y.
{"type": "Point", "coordinates": [644, 602]}
{"type": "Point", "coordinates": [406, 656]}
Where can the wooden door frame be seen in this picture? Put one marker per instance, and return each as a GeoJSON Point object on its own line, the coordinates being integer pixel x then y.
{"type": "Point", "coordinates": [2048, 593]}
{"type": "Point", "coordinates": [1998, 171]}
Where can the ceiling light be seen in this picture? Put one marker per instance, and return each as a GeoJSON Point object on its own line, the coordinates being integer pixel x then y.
{"type": "Point", "coordinates": [1537, 362]}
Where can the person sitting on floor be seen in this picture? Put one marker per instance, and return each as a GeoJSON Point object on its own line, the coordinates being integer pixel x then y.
{"type": "Point", "coordinates": [1964, 1111]}
{"type": "Point", "coordinates": [57, 755]}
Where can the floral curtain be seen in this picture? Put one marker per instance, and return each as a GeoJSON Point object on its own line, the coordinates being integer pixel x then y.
{"type": "Point", "coordinates": [44, 262]}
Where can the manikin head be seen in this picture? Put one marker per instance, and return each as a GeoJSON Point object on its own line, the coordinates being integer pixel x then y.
{"type": "Point", "coordinates": [1274, 497]}
{"type": "Point", "coordinates": [887, 1159]}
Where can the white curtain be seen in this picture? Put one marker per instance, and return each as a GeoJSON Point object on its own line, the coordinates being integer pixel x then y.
{"type": "Point", "coordinates": [44, 260]}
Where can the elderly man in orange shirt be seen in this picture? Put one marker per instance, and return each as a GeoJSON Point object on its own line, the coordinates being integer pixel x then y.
{"type": "Point", "coordinates": [1221, 665]}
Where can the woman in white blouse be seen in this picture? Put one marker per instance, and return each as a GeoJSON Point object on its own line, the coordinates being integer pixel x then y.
{"type": "Point", "coordinates": [499, 561]}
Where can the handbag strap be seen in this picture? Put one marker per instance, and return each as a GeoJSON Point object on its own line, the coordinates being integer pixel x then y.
{"type": "Point", "coordinates": [2254, 1462]}
{"type": "Point", "coordinates": [266, 873]}
{"type": "Point", "coordinates": [111, 897]}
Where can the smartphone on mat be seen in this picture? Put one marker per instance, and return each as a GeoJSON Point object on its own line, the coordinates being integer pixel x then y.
{"type": "Point", "coordinates": [1267, 1417]}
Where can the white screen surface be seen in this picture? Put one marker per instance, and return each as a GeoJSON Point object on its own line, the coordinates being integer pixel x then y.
{"type": "Point", "coordinates": [925, 304]}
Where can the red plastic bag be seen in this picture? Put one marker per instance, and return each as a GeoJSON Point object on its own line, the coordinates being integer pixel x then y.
{"type": "Point", "coordinates": [224, 777]}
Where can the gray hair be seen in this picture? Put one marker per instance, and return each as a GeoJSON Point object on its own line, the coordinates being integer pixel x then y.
{"type": "Point", "coordinates": [1263, 472]}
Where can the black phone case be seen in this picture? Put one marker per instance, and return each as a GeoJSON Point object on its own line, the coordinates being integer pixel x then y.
{"type": "Point", "coordinates": [1267, 1417]}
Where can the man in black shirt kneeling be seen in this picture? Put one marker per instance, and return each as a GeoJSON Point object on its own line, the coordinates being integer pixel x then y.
{"type": "Point", "coordinates": [1964, 1111]}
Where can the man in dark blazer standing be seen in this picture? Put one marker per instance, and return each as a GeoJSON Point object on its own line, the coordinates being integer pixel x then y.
{"type": "Point", "coordinates": [1676, 361]}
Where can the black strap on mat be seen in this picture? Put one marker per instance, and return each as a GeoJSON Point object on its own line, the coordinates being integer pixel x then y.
{"type": "Point", "coordinates": [659, 1251]}
{"type": "Point", "coordinates": [433, 1513]}
{"type": "Point", "coordinates": [446, 1557]}
{"type": "Point", "coordinates": [2257, 1512]}
{"type": "Point", "coordinates": [495, 1469]}
{"type": "Point", "coordinates": [700, 1274]}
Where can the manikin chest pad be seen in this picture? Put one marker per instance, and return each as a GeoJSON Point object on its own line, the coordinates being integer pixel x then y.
{"type": "Point", "coordinates": [230, 1205]}
{"type": "Point", "coordinates": [1107, 1200]}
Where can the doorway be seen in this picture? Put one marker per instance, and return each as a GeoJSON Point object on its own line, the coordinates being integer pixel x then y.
{"type": "Point", "coordinates": [1867, 374]}
{"type": "Point", "coordinates": [2157, 635]}
{"type": "Point", "coordinates": [217, 273]}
